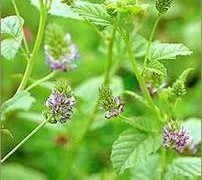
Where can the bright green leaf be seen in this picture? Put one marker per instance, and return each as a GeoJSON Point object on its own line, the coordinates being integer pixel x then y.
{"type": "Point", "coordinates": [17, 171]}
{"type": "Point", "coordinates": [10, 27]}
{"type": "Point", "coordinates": [193, 126]}
{"type": "Point", "coordinates": [20, 101]}
{"type": "Point", "coordinates": [94, 13]}
{"type": "Point", "coordinates": [160, 51]}
{"type": "Point", "coordinates": [59, 9]}
{"type": "Point", "coordinates": [131, 147]}
{"type": "Point", "coordinates": [186, 166]}
{"type": "Point", "coordinates": [148, 170]}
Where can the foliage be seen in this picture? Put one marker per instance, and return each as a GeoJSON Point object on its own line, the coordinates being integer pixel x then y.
{"type": "Point", "coordinates": [126, 51]}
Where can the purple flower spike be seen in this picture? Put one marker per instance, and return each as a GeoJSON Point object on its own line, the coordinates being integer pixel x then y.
{"type": "Point", "coordinates": [66, 60]}
{"type": "Point", "coordinates": [177, 137]}
{"type": "Point", "coordinates": [60, 106]}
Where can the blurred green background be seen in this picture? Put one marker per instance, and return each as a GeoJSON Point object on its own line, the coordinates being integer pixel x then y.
{"type": "Point", "coordinates": [52, 154]}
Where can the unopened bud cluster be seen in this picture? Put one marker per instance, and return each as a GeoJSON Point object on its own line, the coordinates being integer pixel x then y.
{"type": "Point", "coordinates": [163, 5]}
{"type": "Point", "coordinates": [112, 105]}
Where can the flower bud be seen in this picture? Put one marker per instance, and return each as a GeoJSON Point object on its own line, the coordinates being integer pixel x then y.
{"type": "Point", "coordinates": [112, 105]}
{"type": "Point", "coordinates": [163, 5]}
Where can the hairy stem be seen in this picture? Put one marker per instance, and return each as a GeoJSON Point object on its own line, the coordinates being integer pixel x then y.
{"type": "Point", "coordinates": [21, 27]}
{"type": "Point", "coordinates": [150, 40]}
{"type": "Point", "coordinates": [140, 78]}
{"type": "Point", "coordinates": [29, 66]}
{"type": "Point", "coordinates": [110, 56]}
{"type": "Point", "coordinates": [163, 162]}
{"type": "Point", "coordinates": [24, 140]}
{"type": "Point", "coordinates": [39, 81]}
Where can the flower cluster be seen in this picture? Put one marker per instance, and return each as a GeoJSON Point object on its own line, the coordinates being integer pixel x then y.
{"type": "Point", "coordinates": [112, 105]}
{"type": "Point", "coordinates": [60, 52]}
{"type": "Point", "coordinates": [60, 104]}
{"type": "Point", "coordinates": [175, 136]}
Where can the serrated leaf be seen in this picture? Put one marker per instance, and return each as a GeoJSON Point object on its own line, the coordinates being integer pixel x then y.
{"type": "Point", "coordinates": [131, 147]}
{"type": "Point", "coordinates": [143, 124]}
{"type": "Point", "coordinates": [10, 27]}
{"type": "Point", "coordinates": [186, 166]}
{"type": "Point", "coordinates": [160, 51]}
{"type": "Point", "coordinates": [58, 9]}
{"type": "Point", "coordinates": [149, 170]}
{"type": "Point", "coordinates": [94, 13]}
{"type": "Point", "coordinates": [20, 101]}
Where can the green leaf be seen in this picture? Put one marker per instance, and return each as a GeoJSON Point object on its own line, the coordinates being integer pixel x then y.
{"type": "Point", "coordinates": [58, 9]}
{"type": "Point", "coordinates": [148, 170]}
{"type": "Point", "coordinates": [142, 123]}
{"type": "Point", "coordinates": [193, 126]}
{"type": "Point", "coordinates": [161, 51]}
{"type": "Point", "coordinates": [17, 171]}
{"type": "Point", "coordinates": [139, 45]}
{"type": "Point", "coordinates": [186, 166]}
{"type": "Point", "coordinates": [20, 101]}
{"type": "Point", "coordinates": [131, 147]}
{"type": "Point", "coordinates": [94, 13]}
{"type": "Point", "coordinates": [11, 31]}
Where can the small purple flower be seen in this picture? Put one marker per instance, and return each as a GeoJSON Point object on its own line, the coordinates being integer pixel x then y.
{"type": "Point", "coordinates": [117, 109]}
{"type": "Point", "coordinates": [177, 137]}
{"type": "Point", "coordinates": [60, 106]}
{"type": "Point", "coordinates": [65, 61]}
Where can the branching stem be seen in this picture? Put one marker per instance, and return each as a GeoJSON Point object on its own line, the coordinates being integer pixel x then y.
{"type": "Point", "coordinates": [24, 140]}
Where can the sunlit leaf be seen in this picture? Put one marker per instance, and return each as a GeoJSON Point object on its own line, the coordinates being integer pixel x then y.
{"type": "Point", "coordinates": [148, 170]}
{"type": "Point", "coordinates": [131, 147]}
{"type": "Point", "coordinates": [186, 166]}
{"type": "Point", "coordinates": [94, 13]}
{"type": "Point", "coordinates": [160, 51]}
{"type": "Point", "coordinates": [12, 36]}
{"type": "Point", "coordinates": [21, 101]}
{"type": "Point", "coordinates": [193, 125]}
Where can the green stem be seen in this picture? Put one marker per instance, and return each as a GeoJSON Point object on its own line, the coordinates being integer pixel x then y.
{"type": "Point", "coordinates": [24, 140]}
{"type": "Point", "coordinates": [21, 27]}
{"type": "Point", "coordinates": [110, 56]}
{"type": "Point", "coordinates": [29, 66]}
{"type": "Point", "coordinates": [150, 40]}
{"type": "Point", "coordinates": [140, 79]}
{"type": "Point", "coordinates": [39, 81]}
{"type": "Point", "coordinates": [163, 162]}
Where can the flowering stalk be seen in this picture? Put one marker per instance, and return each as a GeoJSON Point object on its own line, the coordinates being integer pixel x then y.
{"type": "Point", "coordinates": [140, 78]}
{"type": "Point", "coordinates": [21, 27]}
{"type": "Point", "coordinates": [24, 140]}
{"type": "Point", "coordinates": [42, 22]}
{"type": "Point", "coordinates": [39, 81]}
{"type": "Point", "coordinates": [150, 41]}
